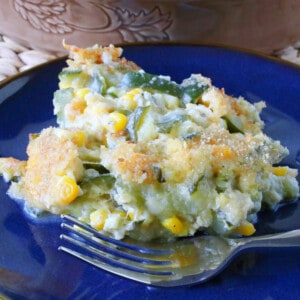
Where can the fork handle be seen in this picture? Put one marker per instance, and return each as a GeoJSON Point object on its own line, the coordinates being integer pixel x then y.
{"type": "Point", "coordinates": [284, 239]}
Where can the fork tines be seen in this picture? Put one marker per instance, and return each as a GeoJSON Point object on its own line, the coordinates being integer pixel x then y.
{"type": "Point", "coordinates": [130, 260]}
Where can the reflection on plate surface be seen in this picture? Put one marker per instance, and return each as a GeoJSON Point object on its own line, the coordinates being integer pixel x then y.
{"type": "Point", "coordinates": [31, 267]}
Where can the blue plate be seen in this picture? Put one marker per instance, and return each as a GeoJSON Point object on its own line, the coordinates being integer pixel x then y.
{"type": "Point", "coordinates": [31, 267]}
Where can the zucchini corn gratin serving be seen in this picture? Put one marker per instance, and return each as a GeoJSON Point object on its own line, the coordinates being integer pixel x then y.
{"type": "Point", "coordinates": [140, 155]}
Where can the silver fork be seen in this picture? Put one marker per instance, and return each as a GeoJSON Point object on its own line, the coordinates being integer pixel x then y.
{"type": "Point", "coordinates": [175, 263]}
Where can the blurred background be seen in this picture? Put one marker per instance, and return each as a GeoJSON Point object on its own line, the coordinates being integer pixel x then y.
{"type": "Point", "coordinates": [31, 31]}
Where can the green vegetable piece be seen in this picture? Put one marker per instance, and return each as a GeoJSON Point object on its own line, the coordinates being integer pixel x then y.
{"type": "Point", "coordinates": [96, 166]}
{"type": "Point", "coordinates": [94, 191]}
{"type": "Point", "coordinates": [168, 121]}
{"type": "Point", "coordinates": [234, 124]}
{"type": "Point", "coordinates": [224, 180]}
{"type": "Point", "coordinates": [187, 94]}
{"type": "Point", "coordinates": [151, 82]}
{"type": "Point", "coordinates": [191, 93]}
{"type": "Point", "coordinates": [76, 78]}
{"type": "Point", "coordinates": [190, 136]}
{"type": "Point", "coordinates": [97, 84]}
{"type": "Point", "coordinates": [69, 74]}
{"type": "Point", "coordinates": [158, 174]}
{"type": "Point", "coordinates": [290, 187]}
{"type": "Point", "coordinates": [135, 121]}
{"type": "Point", "coordinates": [105, 182]}
{"type": "Point", "coordinates": [60, 100]}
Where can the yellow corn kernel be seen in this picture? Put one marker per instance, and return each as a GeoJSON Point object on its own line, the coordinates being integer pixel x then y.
{"type": "Point", "coordinates": [184, 258]}
{"type": "Point", "coordinates": [245, 229]}
{"type": "Point", "coordinates": [74, 109]}
{"type": "Point", "coordinates": [129, 98]}
{"type": "Point", "coordinates": [280, 171]}
{"type": "Point", "coordinates": [115, 122]}
{"type": "Point", "coordinates": [79, 138]}
{"type": "Point", "coordinates": [80, 93]}
{"type": "Point", "coordinates": [223, 152]}
{"type": "Point", "coordinates": [78, 106]}
{"type": "Point", "coordinates": [68, 190]}
{"type": "Point", "coordinates": [130, 216]}
{"type": "Point", "coordinates": [121, 213]}
{"type": "Point", "coordinates": [98, 218]}
{"type": "Point", "coordinates": [174, 224]}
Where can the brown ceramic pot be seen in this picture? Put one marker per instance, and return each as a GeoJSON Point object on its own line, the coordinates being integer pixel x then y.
{"type": "Point", "coordinates": [264, 25]}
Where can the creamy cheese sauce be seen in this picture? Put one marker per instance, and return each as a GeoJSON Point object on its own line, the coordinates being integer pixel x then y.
{"type": "Point", "coordinates": [137, 154]}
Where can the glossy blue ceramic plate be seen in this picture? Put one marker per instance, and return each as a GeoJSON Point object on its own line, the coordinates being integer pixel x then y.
{"type": "Point", "coordinates": [31, 267]}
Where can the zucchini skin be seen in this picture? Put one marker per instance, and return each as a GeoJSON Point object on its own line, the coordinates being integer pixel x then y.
{"type": "Point", "coordinates": [149, 82]}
